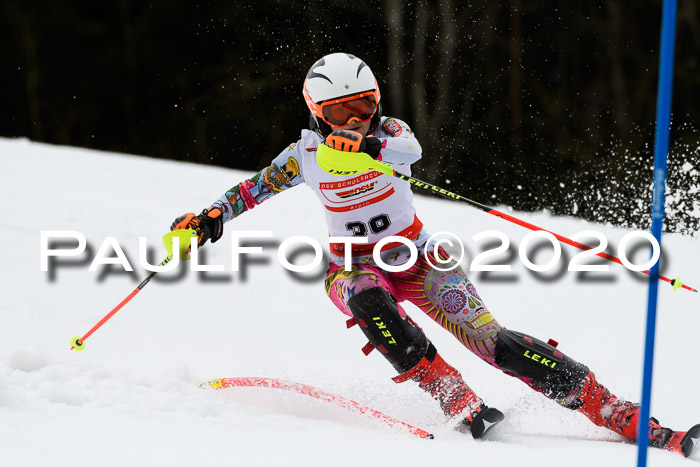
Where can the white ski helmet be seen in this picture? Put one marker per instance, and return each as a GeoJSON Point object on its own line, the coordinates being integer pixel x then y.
{"type": "Point", "coordinates": [338, 89]}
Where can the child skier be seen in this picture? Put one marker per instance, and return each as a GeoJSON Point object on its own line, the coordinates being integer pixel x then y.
{"type": "Point", "coordinates": [343, 96]}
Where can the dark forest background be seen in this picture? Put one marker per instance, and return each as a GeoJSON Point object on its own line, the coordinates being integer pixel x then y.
{"type": "Point", "coordinates": [531, 104]}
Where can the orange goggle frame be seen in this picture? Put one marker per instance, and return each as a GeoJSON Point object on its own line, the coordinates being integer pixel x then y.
{"type": "Point", "coordinates": [339, 112]}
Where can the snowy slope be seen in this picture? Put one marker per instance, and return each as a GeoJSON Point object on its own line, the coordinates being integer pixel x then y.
{"type": "Point", "coordinates": [132, 396]}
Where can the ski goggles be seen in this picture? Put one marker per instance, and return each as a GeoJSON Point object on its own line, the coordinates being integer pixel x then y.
{"type": "Point", "coordinates": [339, 112]}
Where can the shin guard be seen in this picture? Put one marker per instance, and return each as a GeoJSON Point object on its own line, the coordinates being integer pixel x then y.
{"type": "Point", "coordinates": [401, 342]}
{"type": "Point", "coordinates": [546, 369]}
{"type": "Point", "coordinates": [571, 384]}
{"type": "Point", "coordinates": [405, 346]}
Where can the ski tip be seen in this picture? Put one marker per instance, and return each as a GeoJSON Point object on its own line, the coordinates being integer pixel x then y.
{"type": "Point", "coordinates": [690, 440]}
{"type": "Point", "coordinates": [484, 421]}
{"type": "Point", "coordinates": [213, 384]}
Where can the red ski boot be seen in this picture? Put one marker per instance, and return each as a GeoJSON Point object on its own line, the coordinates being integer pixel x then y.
{"type": "Point", "coordinates": [446, 385]}
{"type": "Point", "coordinates": [604, 409]}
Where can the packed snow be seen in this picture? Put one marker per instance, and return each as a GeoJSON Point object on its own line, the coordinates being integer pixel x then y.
{"type": "Point", "coordinates": [132, 396]}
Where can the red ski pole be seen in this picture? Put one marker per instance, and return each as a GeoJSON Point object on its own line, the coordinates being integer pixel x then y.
{"type": "Point", "coordinates": [183, 237]}
{"type": "Point", "coordinates": [343, 165]}
{"type": "Point", "coordinates": [676, 283]}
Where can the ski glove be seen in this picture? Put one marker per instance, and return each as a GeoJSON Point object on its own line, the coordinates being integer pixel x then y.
{"type": "Point", "coordinates": [208, 225]}
{"type": "Point", "coordinates": [352, 141]}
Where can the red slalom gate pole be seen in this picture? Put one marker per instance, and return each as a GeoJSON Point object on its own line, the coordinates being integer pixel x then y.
{"type": "Point", "coordinates": [311, 391]}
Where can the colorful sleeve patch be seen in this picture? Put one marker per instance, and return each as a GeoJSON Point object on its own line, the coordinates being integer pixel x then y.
{"type": "Point", "coordinates": [284, 172]}
{"type": "Point", "coordinates": [392, 127]}
{"type": "Point", "coordinates": [263, 185]}
{"type": "Point", "coordinates": [270, 181]}
{"type": "Point", "coordinates": [236, 201]}
{"type": "Point", "coordinates": [291, 168]}
{"type": "Point", "coordinates": [289, 162]}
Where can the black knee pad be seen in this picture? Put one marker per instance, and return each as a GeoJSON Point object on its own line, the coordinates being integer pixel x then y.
{"type": "Point", "coordinates": [398, 339]}
{"type": "Point", "coordinates": [557, 375]}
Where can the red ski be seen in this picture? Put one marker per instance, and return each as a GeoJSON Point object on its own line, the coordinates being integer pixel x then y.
{"type": "Point", "coordinates": [348, 404]}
